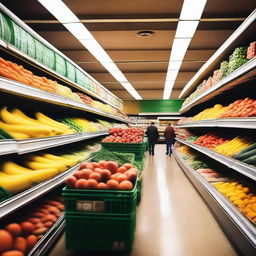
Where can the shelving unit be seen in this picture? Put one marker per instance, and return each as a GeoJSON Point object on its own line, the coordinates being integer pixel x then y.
{"type": "Point", "coordinates": [237, 227]}
{"type": "Point", "coordinates": [244, 123]}
{"type": "Point", "coordinates": [20, 54]}
{"type": "Point", "coordinates": [245, 169]}
{"type": "Point", "coordinates": [242, 74]}
{"type": "Point", "coordinates": [32, 145]}
{"type": "Point", "coordinates": [16, 88]}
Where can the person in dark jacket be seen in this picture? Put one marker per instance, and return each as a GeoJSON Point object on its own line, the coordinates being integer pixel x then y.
{"type": "Point", "coordinates": [153, 136]}
{"type": "Point", "coordinates": [169, 139]}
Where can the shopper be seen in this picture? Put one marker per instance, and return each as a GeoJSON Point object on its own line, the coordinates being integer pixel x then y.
{"type": "Point", "coordinates": [153, 136]}
{"type": "Point", "coordinates": [169, 139]}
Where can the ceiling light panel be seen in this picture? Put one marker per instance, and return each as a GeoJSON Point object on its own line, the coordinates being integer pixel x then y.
{"type": "Point", "coordinates": [186, 29]}
{"type": "Point", "coordinates": [171, 75]}
{"type": "Point", "coordinates": [179, 48]}
{"type": "Point", "coordinates": [59, 10]}
{"type": "Point", "coordinates": [174, 65]}
{"type": "Point", "coordinates": [73, 24]}
{"type": "Point", "coordinates": [192, 9]}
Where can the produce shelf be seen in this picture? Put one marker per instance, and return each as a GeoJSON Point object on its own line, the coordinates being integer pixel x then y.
{"type": "Point", "coordinates": [245, 169]}
{"type": "Point", "coordinates": [242, 74]}
{"type": "Point", "coordinates": [34, 62]}
{"type": "Point", "coordinates": [17, 201]}
{"type": "Point", "coordinates": [236, 226]}
{"type": "Point", "coordinates": [245, 30]}
{"type": "Point", "coordinates": [245, 123]}
{"type": "Point", "coordinates": [45, 243]}
{"type": "Point", "coordinates": [8, 147]}
{"type": "Point", "coordinates": [17, 88]}
{"type": "Point", "coordinates": [31, 145]}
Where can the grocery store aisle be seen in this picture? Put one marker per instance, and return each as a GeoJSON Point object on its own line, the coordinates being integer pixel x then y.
{"type": "Point", "coordinates": [172, 218]}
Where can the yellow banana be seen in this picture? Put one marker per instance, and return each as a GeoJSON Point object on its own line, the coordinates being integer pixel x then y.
{"type": "Point", "coordinates": [9, 165]}
{"type": "Point", "coordinates": [57, 166]}
{"type": "Point", "coordinates": [33, 131]}
{"type": "Point", "coordinates": [54, 157]}
{"type": "Point", "coordinates": [19, 136]}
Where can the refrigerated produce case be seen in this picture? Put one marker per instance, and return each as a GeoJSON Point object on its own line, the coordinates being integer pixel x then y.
{"type": "Point", "coordinates": [237, 84]}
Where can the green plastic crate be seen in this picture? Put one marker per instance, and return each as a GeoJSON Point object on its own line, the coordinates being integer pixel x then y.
{"type": "Point", "coordinates": [100, 233]}
{"type": "Point", "coordinates": [139, 190]}
{"type": "Point", "coordinates": [60, 65]}
{"type": "Point", "coordinates": [16, 35]}
{"type": "Point", "coordinates": [39, 51]}
{"type": "Point", "coordinates": [80, 77]}
{"type": "Point", "coordinates": [6, 28]}
{"type": "Point", "coordinates": [136, 148]}
{"type": "Point", "coordinates": [100, 201]}
{"type": "Point", "coordinates": [49, 58]}
{"type": "Point", "coordinates": [31, 46]}
{"type": "Point", "coordinates": [71, 72]}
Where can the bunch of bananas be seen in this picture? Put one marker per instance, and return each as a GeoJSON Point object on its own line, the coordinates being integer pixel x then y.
{"type": "Point", "coordinates": [210, 113]}
{"type": "Point", "coordinates": [233, 146]}
{"type": "Point", "coordinates": [16, 178]}
{"type": "Point", "coordinates": [21, 126]}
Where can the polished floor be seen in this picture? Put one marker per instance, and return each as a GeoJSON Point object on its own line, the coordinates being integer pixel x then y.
{"type": "Point", "coordinates": [172, 218]}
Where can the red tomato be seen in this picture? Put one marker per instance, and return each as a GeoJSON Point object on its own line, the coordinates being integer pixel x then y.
{"type": "Point", "coordinates": [113, 184]}
{"type": "Point", "coordinates": [121, 169]}
{"type": "Point", "coordinates": [71, 181]}
{"type": "Point", "coordinates": [96, 176]}
{"type": "Point", "coordinates": [121, 177]}
{"type": "Point", "coordinates": [81, 184]}
{"type": "Point", "coordinates": [102, 186]}
{"type": "Point", "coordinates": [126, 185]}
{"type": "Point", "coordinates": [92, 184]}
{"type": "Point", "coordinates": [105, 175]}
{"type": "Point", "coordinates": [85, 173]}
{"type": "Point", "coordinates": [112, 166]}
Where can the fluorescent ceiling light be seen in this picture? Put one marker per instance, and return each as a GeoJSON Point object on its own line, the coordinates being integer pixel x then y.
{"type": "Point", "coordinates": [192, 9]}
{"type": "Point", "coordinates": [171, 75]}
{"type": "Point", "coordinates": [179, 48]}
{"type": "Point", "coordinates": [58, 9]}
{"type": "Point", "coordinates": [79, 31]}
{"type": "Point", "coordinates": [174, 65]}
{"type": "Point", "coordinates": [73, 24]}
{"type": "Point", "coordinates": [186, 29]}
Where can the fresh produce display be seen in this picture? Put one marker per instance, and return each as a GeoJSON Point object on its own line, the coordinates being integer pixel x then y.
{"type": "Point", "coordinates": [240, 108]}
{"type": "Point", "coordinates": [103, 175]}
{"type": "Point", "coordinates": [21, 126]}
{"type": "Point", "coordinates": [129, 135]}
{"type": "Point", "coordinates": [239, 195]}
{"type": "Point", "coordinates": [210, 140]}
{"type": "Point", "coordinates": [19, 237]}
{"type": "Point", "coordinates": [192, 138]}
{"type": "Point", "coordinates": [118, 157]}
{"type": "Point", "coordinates": [35, 168]}
{"type": "Point", "coordinates": [182, 133]}
{"type": "Point", "coordinates": [210, 113]}
{"type": "Point", "coordinates": [233, 146]}
{"type": "Point", "coordinates": [247, 155]}
{"type": "Point", "coordinates": [18, 73]}
{"type": "Point", "coordinates": [251, 52]}
{"type": "Point", "coordinates": [239, 57]}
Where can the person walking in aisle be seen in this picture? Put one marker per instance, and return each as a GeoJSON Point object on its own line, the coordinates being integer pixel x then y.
{"type": "Point", "coordinates": [169, 138]}
{"type": "Point", "coordinates": [153, 136]}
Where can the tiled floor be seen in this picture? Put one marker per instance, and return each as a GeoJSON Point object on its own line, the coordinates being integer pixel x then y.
{"type": "Point", "coordinates": [172, 219]}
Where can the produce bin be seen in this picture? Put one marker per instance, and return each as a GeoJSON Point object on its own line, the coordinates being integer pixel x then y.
{"type": "Point", "coordinates": [31, 46]}
{"type": "Point", "coordinates": [80, 77]}
{"type": "Point", "coordinates": [16, 35]}
{"type": "Point", "coordinates": [60, 65]}
{"type": "Point", "coordinates": [39, 51]}
{"type": "Point", "coordinates": [71, 72]}
{"type": "Point", "coordinates": [23, 41]}
{"type": "Point", "coordinates": [6, 28]}
{"type": "Point", "coordinates": [137, 148]}
{"type": "Point", "coordinates": [49, 58]}
{"type": "Point", "coordinates": [139, 190]}
{"type": "Point", "coordinates": [100, 233]}
{"type": "Point", "coordinates": [104, 202]}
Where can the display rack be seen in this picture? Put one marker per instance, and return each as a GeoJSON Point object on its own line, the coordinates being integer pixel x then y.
{"type": "Point", "coordinates": [32, 145]}
{"type": "Point", "coordinates": [45, 243]}
{"type": "Point", "coordinates": [17, 88]}
{"type": "Point", "coordinates": [17, 201]}
{"type": "Point", "coordinates": [13, 49]}
{"type": "Point", "coordinates": [245, 169]}
{"type": "Point", "coordinates": [246, 29]}
{"type": "Point", "coordinates": [239, 76]}
{"type": "Point", "coordinates": [237, 227]}
{"type": "Point", "coordinates": [244, 123]}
